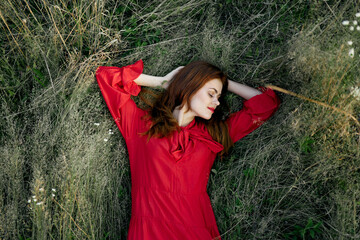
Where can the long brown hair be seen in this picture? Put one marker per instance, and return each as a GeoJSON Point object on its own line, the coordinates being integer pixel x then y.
{"type": "Point", "coordinates": [181, 89]}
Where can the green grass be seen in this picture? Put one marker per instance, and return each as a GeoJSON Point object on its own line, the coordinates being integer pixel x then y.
{"type": "Point", "coordinates": [296, 177]}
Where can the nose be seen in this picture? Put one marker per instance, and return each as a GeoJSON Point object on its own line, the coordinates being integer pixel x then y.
{"type": "Point", "coordinates": [216, 101]}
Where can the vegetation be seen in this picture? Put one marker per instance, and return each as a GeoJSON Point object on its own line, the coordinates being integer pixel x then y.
{"type": "Point", "coordinates": [65, 175]}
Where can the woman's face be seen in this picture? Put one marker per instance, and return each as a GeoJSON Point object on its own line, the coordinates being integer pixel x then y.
{"type": "Point", "coordinates": [206, 99]}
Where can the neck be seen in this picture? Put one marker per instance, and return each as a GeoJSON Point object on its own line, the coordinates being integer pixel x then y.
{"type": "Point", "coordinates": [183, 118]}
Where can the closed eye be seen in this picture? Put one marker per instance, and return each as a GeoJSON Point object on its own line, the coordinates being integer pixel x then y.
{"type": "Point", "coordinates": [214, 95]}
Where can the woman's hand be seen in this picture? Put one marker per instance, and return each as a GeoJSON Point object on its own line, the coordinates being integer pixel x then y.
{"type": "Point", "coordinates": [167, 78]}
{"type": "Point", "coordinates": [155, 81]}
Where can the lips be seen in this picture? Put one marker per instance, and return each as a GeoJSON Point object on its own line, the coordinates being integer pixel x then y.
{"type": "Point", "coordinates": [211, 109]}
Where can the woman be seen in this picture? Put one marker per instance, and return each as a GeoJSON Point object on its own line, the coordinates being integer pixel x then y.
{"type": "Point", "coordinates": [173, 145]}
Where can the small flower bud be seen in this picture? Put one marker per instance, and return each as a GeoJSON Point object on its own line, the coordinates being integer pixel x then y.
{"type": "Point", "coordinates": [352, 52]}
{"type": "Point", "coordinates": [345, 23]}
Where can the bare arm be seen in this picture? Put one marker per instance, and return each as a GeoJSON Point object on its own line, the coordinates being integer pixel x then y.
{"type": "Point", "coordinates": [149, 81]}
{"type": "Point", "coordinates": [155, 81]}
{"type": "Point", "coordinates": [242, 90]}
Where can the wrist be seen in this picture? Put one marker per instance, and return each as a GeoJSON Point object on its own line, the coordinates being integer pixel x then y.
{"type": "Point", "coordinates": [164, 82]}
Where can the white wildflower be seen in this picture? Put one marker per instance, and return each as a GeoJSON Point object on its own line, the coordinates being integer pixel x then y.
{"type": "Point", "coordinates": [35, 200]}
{"type": "Point", "coordinates": [358, 28]}
{"type": "Point", "coordinates": [53, 195]}
{"type": "Point", "coordinates": [110, 131]}
{"type": "Point", "coordinates": [24, 21]}
{"type": "Point", "coordinates": [355, 22]}
{"type": "Point", "coordinates": [352, 52]}
{"type": "Point", "coordinates": [53, 189]}
{"type": "Point", "coordinates": [350, 43]}
{"type": "Point", "coordinates": [97, 124]}
{"type": "Point", "coordinates": [39, 203]}
{"type": "Point", "coordinates": [34, 196]}
{"type": "Point", "coordinates": [357, 14]}
{"type": "Point", "coordinates": [355, 92]}
{"type": "Point", "coordinates": [351, 28]}
{"type": "Point", "coordinates": [346, 22]}
{"type": "Point", "coordinates": [29, 201]}
{"type": "Point", "coordinates": [105, 139]}
{"type": "Point", "coordinates": [41, 189]}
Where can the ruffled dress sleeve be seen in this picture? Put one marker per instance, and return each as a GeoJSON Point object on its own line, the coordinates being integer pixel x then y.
{"type": "Point", "coordinates": [117, 85]}
{"type": "Point", "coordinates": [254, 113]}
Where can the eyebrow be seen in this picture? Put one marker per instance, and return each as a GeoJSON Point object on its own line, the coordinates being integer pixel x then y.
{"type": "Point", "coordinates": [216, 91]}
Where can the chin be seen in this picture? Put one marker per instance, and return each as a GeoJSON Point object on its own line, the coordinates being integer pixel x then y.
{"type": "Point", "coordinates": [207, 117]}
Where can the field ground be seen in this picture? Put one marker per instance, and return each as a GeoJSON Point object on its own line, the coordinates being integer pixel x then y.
{"type": "Point", "coordinates": [296, 177]}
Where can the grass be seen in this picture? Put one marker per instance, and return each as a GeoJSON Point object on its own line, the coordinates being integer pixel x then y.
{"type": "Point", "coordinates": [296, 177]}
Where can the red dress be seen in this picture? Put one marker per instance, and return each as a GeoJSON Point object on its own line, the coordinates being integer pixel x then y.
{"type": "Point", "coordinates": [169, 175]}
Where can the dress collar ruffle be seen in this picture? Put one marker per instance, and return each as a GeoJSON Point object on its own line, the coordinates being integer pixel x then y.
{"type": "Point", "coordinates": [182, 143]}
